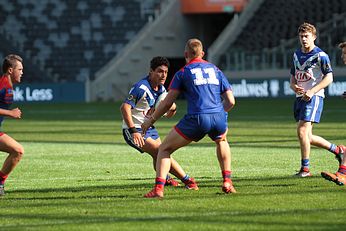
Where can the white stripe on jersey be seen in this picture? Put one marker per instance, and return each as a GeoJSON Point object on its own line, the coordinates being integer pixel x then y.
{"type": "Point", "coordinates": [308, 61]}
{"type": "Point", "coordinates": [314, 71]}
{"type": "Point", "coordinates": [146, 89]}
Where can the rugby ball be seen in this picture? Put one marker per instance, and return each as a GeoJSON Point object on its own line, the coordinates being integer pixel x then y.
{"type": "Point", "coordinates": [160, 99]}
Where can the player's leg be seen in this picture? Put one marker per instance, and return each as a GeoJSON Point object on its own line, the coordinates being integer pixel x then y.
{"type": "Point", "coordinates": [15, 152]}
{"type": "Point", "coordinates": [151, 147]}
{"type": "Point", "coordinates": [337, 150]}
{"type": "Point", "coordinates": [312, 111]}
{"type": "Point", "coordinates": [224, 157]}
{"type": "Point", "coordinates": [340, 176]}
{"type": "Point", "coordinates": [218, 133]}
{"type": "Point", "coordinates": [223, 154]}
{"type": "Point", "coordinates": [316, 108]}
{"type": "Point", "coordinates": [304, 132]}
{"type": "Point", "coordinates": [176, 169]}
{"type": "Point", "coordinates": [172, 142]}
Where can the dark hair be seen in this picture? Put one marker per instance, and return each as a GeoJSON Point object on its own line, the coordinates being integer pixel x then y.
{"type": "Point", "coordinates": [10, 61]}
{"type": "Point", "coordinates": [342, 45]}
{"type": "Point", "coordinates": [158, 61]}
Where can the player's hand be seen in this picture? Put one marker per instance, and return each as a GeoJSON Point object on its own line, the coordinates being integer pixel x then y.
{"type": "Point", "coordinates": [146, 125]}
{"type": "Point", "coordinates": [307, 95]}
{"type": "Point", "coordinates": [138, 139]}
{"type": "Point", "coordinates": [170, 113]}
{"type": "Point", "coordinates": [299, 90]}
{"type": "Point", "coordinates": [16, 113]}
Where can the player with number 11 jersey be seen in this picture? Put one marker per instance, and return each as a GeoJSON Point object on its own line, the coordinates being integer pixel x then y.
{"type": "Point", "coordinates": [209, 97]}
{"type": "Point", "coordinates": [202, 84]}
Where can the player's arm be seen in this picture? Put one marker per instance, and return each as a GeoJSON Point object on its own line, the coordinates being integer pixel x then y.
{"type": "Point", "coordinates": [125, 109]}
{"type": "Point", "coordinates": [294, 86]}
{"type": "Point", "coordinates": [327, 79]}
{"type": "Point", "coordinates": [164, 106]}
{"type": "Point", "coordinates": [13, 113]}
{"type": "Point", "coordinates": [172, 111]}
{"type": "Point", "coordinates": [228, 100]}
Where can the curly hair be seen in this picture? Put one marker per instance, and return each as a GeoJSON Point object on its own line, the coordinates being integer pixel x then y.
{"type": "Point", "coordinates": [158, 61]}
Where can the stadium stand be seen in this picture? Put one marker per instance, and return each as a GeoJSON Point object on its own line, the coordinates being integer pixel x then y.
{"type": "Point", "coordinates": [69, 40]}
{"type": "Point", "coordinates": [279, 19]}
{"type": "Point", "coordinates": [270, 36]}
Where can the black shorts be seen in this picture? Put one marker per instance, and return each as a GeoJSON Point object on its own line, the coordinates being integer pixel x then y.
{"type": "Point", "coordinates": [129, 140]}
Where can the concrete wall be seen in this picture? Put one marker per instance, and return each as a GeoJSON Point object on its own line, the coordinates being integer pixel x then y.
{"type": "Point", "coordinates": [165, 36]}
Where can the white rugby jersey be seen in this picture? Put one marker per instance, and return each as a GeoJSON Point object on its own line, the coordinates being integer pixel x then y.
{"type": "Point", "coordinates": [309, 68]}
{"type": "Point", "coordinates": [142, 99]}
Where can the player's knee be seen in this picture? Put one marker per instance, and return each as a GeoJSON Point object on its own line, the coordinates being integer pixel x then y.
{"type": "Point", "coordinates": [18, 152]}
{"type": "Point", "coordinates": [221, 139]}
{"type": "Point", "coordinates": [302, 133]}
{"type": "Point", "coordinates": [166, 149]}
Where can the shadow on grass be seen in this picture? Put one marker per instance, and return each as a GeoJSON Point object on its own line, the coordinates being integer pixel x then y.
{"type": "Point", "coordinates": [218, 219]}
{"type": "Point", "coordinates": [119, 191]}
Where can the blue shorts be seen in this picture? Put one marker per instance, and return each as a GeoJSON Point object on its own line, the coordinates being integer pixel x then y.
{"type": "Point", "coordinates": [195, 127]}
{"type": "Point", "coordinates": [308, 111]}
{"type": "Point", "coordinates": [151, 132]}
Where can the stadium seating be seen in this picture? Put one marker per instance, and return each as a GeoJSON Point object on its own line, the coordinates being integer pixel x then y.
{"type": "Point", "coordinates": [70, 40]}
{"type": "Point", "coordinates": [276, 21]}
{"type": "Point", "coordinates": [279, 19]}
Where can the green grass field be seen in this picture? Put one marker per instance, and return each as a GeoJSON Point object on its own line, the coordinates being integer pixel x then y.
{"type": "Point", "coordinates": [78, 173]}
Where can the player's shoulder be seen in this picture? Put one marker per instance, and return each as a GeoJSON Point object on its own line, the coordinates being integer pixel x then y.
{"type": "Point", "coordinates": [319, 51]}
{"type": "Point", "coordinates": [141, 84]}
{"type": "Point", "coordinates": [162, 89]}
{"type": "Point", "coordinates": [4, 82]}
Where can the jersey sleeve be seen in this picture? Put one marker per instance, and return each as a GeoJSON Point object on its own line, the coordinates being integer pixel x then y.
{"type": "Point", "coordinates": [225, 85]}
{"type": "Point", "coordinates": [325, 64]}
{"type": "Point", "coordinates": [293, 68]}
{"type": "Point", "coordinates": [135, 94]}
{"type": "Point", "coordinates": [177, 83]}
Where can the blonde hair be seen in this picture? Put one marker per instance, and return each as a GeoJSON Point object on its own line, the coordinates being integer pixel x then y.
{"type": "Point", "coordinates": [10, 61]}
{"type": "Point", "coordinates": [307, 27]}
{"type": "Point", "coordinates": [194, 48]}
{"type": "Point", "coordinates": [342, 45]}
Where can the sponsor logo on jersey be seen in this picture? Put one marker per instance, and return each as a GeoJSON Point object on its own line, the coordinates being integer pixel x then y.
{"type": "Point", "coordinates": [303, 76]}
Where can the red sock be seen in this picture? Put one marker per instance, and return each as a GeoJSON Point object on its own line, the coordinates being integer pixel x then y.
{"type": "Point", "coordinates": [160, 183]}
{"type": "Point", "coordinates": [342, 169]}
{"type": "Point", "coordinates": [3, 178]}
{"type": "Point", "coordinates": [226, 174]}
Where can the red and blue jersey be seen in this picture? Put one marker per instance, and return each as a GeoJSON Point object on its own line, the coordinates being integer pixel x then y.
{"type": "Point", "coordinates": [6, 94]}
{"type": "Point", "coordinates": [202, 84]}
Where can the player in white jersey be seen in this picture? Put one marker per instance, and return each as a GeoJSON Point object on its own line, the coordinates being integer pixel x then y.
{"type": "Point", "coordinates": [339, 177]}
{"type": "Point", "coordinates": [311, 73]}
{"type": "Point", "coordinates": [139, 105]}
{"type": "Point", "coordinates": [342, 46]}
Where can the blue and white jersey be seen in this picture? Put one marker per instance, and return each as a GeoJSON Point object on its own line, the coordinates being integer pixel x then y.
{"type": "Point", "coordinates": [203, 84]}
{"type": "Point", "coordinates": [142, 99]}
{"type": "Point", "coordinates": [309, 68]}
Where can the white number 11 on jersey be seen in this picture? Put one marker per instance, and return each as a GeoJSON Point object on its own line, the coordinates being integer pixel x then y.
{"type": "Point", "coordinates": [204, 76]}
